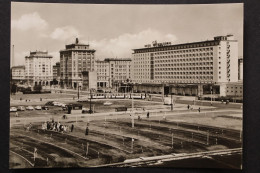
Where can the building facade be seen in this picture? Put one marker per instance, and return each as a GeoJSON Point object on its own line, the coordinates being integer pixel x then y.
{"type": "Point", "coordinates": [207, 62]}
{"type": "Point", "coordinates": [38, 68]}
{"type": "Point", "coordinates": [18, 74]}
{"type": "Point", "coordinates": [56, 74]}
{"type": "Point", "coordinates": [113, 71]}
{"type": "Point", "coordinates": [74, 60]}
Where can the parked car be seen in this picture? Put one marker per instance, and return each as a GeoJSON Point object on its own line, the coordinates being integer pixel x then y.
{"type": "Point", "coordinates": [85, 110]}
{"type": "Point", "coordinates": [50, 103]}
{"type": "Point", "coordinates": [21, 108]}
{"type": "Point", "coordinates": [56, 103]}
{"type": "Point", "coordinates": [38, 108]}
{"type": "Point", "coordinates": [107, 103]}
{"type": "Point", "coordinates": [45, 108]}
{"type": "Point", "coordinates": [29, 108]}
{"type": "Point", "coordinates": [60, 104]}
{"type": "Point", "coordinates": [13, 109]}
{"type": "Point", "coordinates": [64, 107]}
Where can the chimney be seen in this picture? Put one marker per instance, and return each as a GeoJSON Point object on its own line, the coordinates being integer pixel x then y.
{"type": "Point", "coordinates": [77, 40]}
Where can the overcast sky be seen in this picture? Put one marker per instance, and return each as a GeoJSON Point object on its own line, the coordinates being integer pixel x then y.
{"type": "Point", "coordinates": [114, 30]}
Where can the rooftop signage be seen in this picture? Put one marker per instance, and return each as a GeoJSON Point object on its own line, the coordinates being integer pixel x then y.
{"type": "Point", "coordinates": [155, 44]}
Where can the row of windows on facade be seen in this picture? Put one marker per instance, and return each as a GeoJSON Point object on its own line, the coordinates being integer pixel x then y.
{"type": "Point", "coordinates": [189, 46]}
{"type": "Point", "coordinates": [170, 59]}
{"type": "Point", "coordinates": [176, 69]}
{"type": "Point", "coordinates": [178, 56]}
{"type": "Point", "coordinates": [178, 73]}
{"type": "Point", "coordinates": [185, 51]}
{"type": "Point", "coordinates": [178, 77]}
{"type": "Point", "coordinates": [235, 91]}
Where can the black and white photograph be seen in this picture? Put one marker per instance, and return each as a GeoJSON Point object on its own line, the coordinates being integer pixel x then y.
{"type": "Point", "coordinates": [126, 85]}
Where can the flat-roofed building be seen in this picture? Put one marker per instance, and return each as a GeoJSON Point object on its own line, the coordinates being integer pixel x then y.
{"type": "Point", "coordinates": [18, 74]}
{"type": "Point", "coordinates": [113, 71]}
{"type": "Point", "coordinates": [74, 60]}
{"type": "Point", "coordinates": [38, 68]}
{"type": "Point", "coordinates": [206, 62]}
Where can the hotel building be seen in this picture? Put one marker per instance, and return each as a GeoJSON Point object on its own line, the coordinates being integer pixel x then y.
{"type": "Point", "coordinates": [211, 62]}
{"type": "Point", "coordinates": [38, 68]}
{"type": "Point", "coordinates": [74, 60]}
{"type": "Point", "coordinates": [113, 71]}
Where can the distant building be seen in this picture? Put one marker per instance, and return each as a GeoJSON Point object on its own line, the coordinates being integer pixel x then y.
{"type": "Point", "coordinates": [211, 62]}
{"type": "Point", "coordinates": [56, 73]}
{"type": "Point", "coordinates": [38, 68]}
{"type": "Point", "coordinates": [18, 74]}
{"type": "Point", "coordinates": [113, 71]}
{"type": "Point", "coordinates": [74, 60]}
{"type": "Point", "coordinates": [240, 69]}
{"type": "Point", "coordinates": [234, 89]}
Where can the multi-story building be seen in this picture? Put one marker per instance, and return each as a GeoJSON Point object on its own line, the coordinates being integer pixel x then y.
{"type": "Point", "coordinates": [38, 68]}
{"type": "Point", "coordinates": [206, 62]}
{"type": "Point", "coordinates": [74, 60]}
{"type": "Point", "coordinates": [56, 73]}
{"type": "Point", "coordinates": [113, 71]}
{"type": "Point", "coordinates": [18, 74]}
{"type": "Point", "coordinates": [240, 69]}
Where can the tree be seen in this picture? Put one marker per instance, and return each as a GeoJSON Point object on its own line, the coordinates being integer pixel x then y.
{"type": "Point", "coordinates": [37, 88]}
{"type": "Point", "coordinates": [13, 88]}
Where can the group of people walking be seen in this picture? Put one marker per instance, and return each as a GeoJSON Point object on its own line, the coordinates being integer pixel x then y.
{"type": "Point", "coordinates": [55, 126]}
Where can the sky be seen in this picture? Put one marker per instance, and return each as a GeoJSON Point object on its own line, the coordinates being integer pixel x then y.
{"type": "Point", "coordinates": [114, 30]}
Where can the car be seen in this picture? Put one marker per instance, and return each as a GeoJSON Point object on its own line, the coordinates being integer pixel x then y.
{"type": "Point", "coordinates": [60, 104]}
{"type": "Point", "coordinates": [45, 108]}
{"type": "Point", "coordinates": [56, 103]}
{"type": "Point", "coordinates": [49, 103]}
{"type": "Point", "coordinates": [107, 103]}
{"type": "Point", "coordinates": [85, 110]}
{"type": "Point", "coordinates": [38, 108]}
{"type": "Point", "coordinates": [13, 109]}
{"type": "Point", "coordinates": [29, 108]}
{"type": "Point", "coordinates": [20, 108]}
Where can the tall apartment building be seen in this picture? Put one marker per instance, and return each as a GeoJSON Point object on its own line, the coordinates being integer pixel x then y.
{"type": "Point", "coordinates": [38, 68]}
{"type": "Point", "coordinates": [74, 60]}
{"type": "Point", "coordinates": [56, 73]}
{"type": "Point", "coordinates": [206, 62]}
{"type": "Point", "coordinates": [113, 71]}
{"type": "Point", "coordinates": [18, 74]}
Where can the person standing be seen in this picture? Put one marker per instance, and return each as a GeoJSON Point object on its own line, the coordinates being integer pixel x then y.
{"type": "Point", "coordinates": [199, 109]}
{"type": "Point", "coordinates": [72, 127]}
{"type": "Point", "coordinates": [148, 114]}
{"type": "Point", "coordinates": [87, 130]}
{"type": "Point", "coordinates": [188, 106]}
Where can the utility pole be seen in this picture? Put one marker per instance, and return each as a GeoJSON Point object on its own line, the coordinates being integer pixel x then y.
{"type": "Point", "coordinates": [90, 102]}
{"type": "Point", "coordinates": [211, 91]}
{"type": "Point", "coordinates": [133, 121]}
{"type": "Point", "coordinates": [171, 103]}
{"type": "Point", "coordinates": [78, 91]}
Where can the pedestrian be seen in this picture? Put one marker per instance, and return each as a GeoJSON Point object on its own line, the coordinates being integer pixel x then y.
{"type": "Point", "coordinates": [87, 130]}
{"type": "Point", "coordinates": [188, 106]}
{"type": "Point", "coordinates": [16, 114]}
{"type": "Point", "coordinates": [72, 127]}
{"type": "Point", "coordinates": [147, 114]}
{"type": "Point", "coordinates": [199, 109]}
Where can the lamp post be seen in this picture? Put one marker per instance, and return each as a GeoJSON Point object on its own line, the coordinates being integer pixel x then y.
{"type": "Point", "coordinates": [133, 121]}
{"type": "Point", "coordinates": [78, 90]}
{"type": "Point", "coordinates": [90, 110]}
{"type": "Point", "coordinates": [211, 92]}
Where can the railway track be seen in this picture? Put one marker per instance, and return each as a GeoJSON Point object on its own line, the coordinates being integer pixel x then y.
{"type": "Point", "coordinates": [152, 160]}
